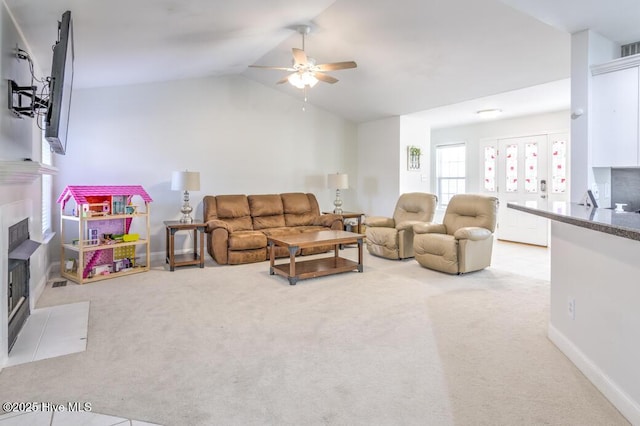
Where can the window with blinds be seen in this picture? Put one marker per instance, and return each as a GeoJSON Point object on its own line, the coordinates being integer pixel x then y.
{"type": "Point", "coordinates": [450, 171]}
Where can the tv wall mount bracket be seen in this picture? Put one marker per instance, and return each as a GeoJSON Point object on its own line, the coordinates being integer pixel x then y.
{"type": "Point", "coordinates": [23, 100]}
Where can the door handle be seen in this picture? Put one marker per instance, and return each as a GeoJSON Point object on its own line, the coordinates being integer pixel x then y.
{"type": "Point", "coordinates": [543, 196]}
{"type": "Point", "coordinates": [543, 185]}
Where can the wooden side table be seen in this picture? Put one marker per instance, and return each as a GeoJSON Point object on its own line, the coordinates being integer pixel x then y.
{"type": "Point", "coordinates": [174, 226]}
{"type": "Point", "coordinates": [351, 215]}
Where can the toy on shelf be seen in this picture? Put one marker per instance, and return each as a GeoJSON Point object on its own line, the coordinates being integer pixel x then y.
{"type": "Point", "coordinates": [95, 209]}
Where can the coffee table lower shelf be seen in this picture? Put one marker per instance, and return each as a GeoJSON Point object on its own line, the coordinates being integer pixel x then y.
{"type": "Point", "coordinates": [316, 268]}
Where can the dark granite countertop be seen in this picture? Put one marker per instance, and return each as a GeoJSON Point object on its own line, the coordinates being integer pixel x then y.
{"type": "Point", "coordinates": [621, 224]}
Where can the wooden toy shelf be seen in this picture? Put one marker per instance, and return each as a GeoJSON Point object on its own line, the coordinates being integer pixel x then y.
{"type": "Point", "coordinates": [96, 231]}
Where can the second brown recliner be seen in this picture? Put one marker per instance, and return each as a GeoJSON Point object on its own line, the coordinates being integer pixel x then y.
{"type": "Point", "coordinates": [463, 242]}
{"type": "Point", "coordinates": [392, 237]}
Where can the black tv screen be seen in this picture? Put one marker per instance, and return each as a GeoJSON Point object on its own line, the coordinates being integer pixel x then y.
{"type": "Point", "coordinates": [60, 85]}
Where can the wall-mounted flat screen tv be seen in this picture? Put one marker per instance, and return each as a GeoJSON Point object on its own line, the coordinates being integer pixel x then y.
{"type": "Point", "coordinates": [60, 85]}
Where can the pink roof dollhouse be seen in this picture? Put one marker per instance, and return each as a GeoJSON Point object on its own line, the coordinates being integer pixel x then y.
{"type": "Point", "coordinates": [81, 192]}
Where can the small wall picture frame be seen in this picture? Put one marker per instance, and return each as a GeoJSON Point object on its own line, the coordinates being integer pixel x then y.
{"type": "Point", "coordinates": [413, 158]}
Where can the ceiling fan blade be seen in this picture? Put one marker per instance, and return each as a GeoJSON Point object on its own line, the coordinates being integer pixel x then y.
{"type": "Point", "coordinates": [300, 57]}
{"type": "Point", "coordinates": [283, 79]}
{"type": "Point", "coordinates": [272, 68]}
{"type": "Point", "coordinates": [325, 77]}
{"type": "Point", "coordinates": [336, 66]}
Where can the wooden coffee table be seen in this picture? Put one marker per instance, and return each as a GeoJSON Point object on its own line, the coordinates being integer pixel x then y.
{"type": "Point", "coordinates": [312, 268]}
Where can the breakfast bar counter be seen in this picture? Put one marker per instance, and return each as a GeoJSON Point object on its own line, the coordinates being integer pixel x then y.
{"type": "Point", "coordinates": [620, 224]}
{"type": "Point", "coordinates": [594, 315]}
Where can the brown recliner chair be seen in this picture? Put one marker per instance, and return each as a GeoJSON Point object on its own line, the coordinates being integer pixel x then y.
{"type": "Point", "coordinates": [463, 241]}
{"type": "Point", "coordinates": [393, 237]}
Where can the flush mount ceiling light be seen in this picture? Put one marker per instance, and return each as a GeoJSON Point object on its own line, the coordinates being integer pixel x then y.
{"type": "Point", "coordinates": [489, 113]}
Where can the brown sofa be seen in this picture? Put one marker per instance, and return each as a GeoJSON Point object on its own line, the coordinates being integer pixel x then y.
{"type": "Point", "coordinates": [238, 225]}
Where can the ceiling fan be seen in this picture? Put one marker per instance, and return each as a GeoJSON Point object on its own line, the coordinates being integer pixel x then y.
{"type": "Point", "coordinates": [305, 72]}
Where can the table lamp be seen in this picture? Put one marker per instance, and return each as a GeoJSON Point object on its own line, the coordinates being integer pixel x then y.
{"type": "Point", "coordinates": [185, 181]}
{"type": "Point", "coordinates": [338, 181]}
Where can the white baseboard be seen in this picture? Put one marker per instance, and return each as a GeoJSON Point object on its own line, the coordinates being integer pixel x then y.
{"type": "Point", "coordinates": [618, 397]}
{"type": "Point", "coordinates": [162, 255]}
{"type": "Point", "coordinates": [39, 289]}
{"type": "Point", "coordinates": [37, 292]}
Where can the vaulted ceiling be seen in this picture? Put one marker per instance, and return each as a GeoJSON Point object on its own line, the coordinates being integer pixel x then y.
{"type": "Point", "coordinates": [412, 55]}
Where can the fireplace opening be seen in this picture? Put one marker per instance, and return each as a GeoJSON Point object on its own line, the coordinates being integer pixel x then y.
{"type": "Point", "coordinates": [20, 250]}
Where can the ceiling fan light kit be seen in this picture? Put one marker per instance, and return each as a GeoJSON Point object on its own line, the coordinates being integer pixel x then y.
{"type": "Point", "coordinates": [302, 79]}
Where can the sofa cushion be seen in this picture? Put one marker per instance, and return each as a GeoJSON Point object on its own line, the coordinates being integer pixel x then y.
{"type": "Point", "coordinates": [245, 240]}
{"type": "Point", "coordinates": [234, 209]}
{"type": "Point", "coordinates": [265, 205]}
{"type": "Point", "coordinates": [266, 211]}
{"type": "Point", "coordinates": [267, 222]}
{"type": "Point", "coordinates": [299, 209]}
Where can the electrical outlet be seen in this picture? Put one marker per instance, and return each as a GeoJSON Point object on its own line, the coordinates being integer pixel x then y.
{"type": "Point", "coordinates": [572, 308]}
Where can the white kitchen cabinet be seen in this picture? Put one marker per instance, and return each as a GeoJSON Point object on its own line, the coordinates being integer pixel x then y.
{"type": "Point", "coordinates": [614, 117]}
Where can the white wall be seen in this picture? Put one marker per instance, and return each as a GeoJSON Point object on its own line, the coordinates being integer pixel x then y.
{"type": "Point", "coordinates": [378, 163]}
{"type": "Point", "coordinates": [415, 132]}
{"type": "Point", "coordinates": [19, 139]}
{"type": "Point", "coordinates": [598, 272]}
{"type": "Point", "coordinates": [243, 138]}
{"type": "Point", "coordinates": [472, 135]}
{"type": "Point", "coordinates": [15, 133]}
{"type": "Point", "coordinates": [587, 48]}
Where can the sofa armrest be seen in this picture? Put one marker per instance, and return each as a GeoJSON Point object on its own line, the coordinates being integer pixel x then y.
{"type": "Point", "coordinates": [429, 228]}
{"type": "Point", "coordinates": [212, 225]}
{"type": "Point", "coordinates": [218, 240]}
{"type": "Point", "coordinates": [473, 233]}
{"type": "Point", "coordinates": [379, 221]}
{"type": "Point", "coordinates": [330, 220]}
{"type": "Point", "coordinates": [408, 224]}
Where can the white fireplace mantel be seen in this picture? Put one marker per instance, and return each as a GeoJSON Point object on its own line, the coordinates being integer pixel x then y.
{"type": "Point", "coordinates": [23, 172]}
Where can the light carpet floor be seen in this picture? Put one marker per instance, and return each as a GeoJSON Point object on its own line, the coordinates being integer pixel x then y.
{"type": "Point", "coordinates": [395, 345]}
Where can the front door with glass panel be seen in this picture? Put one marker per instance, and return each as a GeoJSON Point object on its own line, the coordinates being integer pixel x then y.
{"type": "Point", "coordinates": [517, 170]}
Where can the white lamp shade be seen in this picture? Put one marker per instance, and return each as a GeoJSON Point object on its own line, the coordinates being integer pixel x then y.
{"type": "Point", "coordinates": [338, 181]}
{"type": "Point", "coordinates": [185, 181]}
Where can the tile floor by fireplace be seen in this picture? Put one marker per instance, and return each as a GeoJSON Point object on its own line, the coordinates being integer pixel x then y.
{"type": "Point", "coordinates": [51, 332]}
